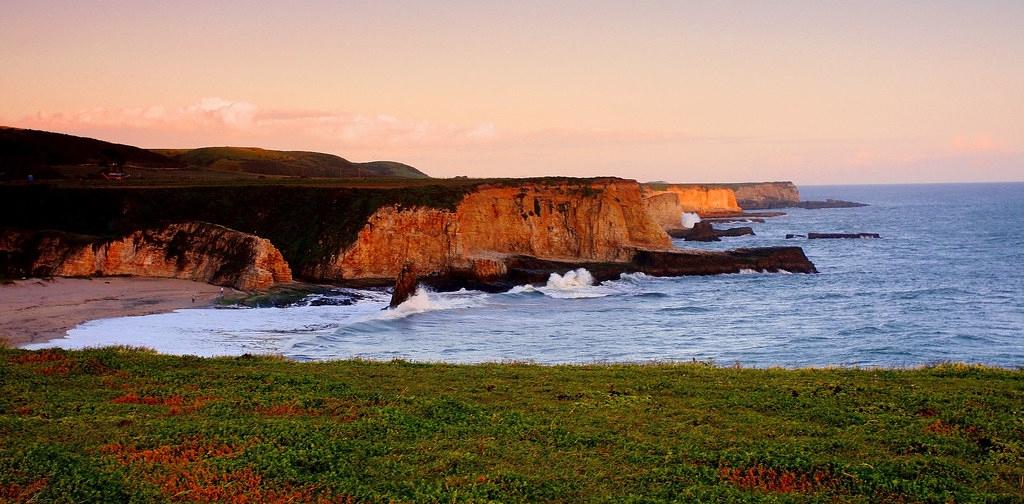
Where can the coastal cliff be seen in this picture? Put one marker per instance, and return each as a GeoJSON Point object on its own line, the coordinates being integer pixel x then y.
{"type": "Point", "coordinates": [706, 200]}
{"type": "Point", "coordinates": [192, 251]}
{"type": "Point", "coordinates": [667, 202]}
{"type": "Point", "coordinates": [599, 220]}
{"type": "Point", "coordinates": [458, 231]}
{"type": "Point", "coordinates": [765, 195]}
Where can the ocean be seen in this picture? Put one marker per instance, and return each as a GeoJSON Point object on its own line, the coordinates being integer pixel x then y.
{"type": "Point", "coordinates": [945, 282]}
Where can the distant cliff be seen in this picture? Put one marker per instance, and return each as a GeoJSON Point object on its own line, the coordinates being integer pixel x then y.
{"type": "Point", "coordinates": [667, 202]}
{"type": "Point", "coordinates": [191, 251]}
{"type": "Point", "coordinates": [711, 200]}
{"type": "Point", "coordinates": [764, 195]}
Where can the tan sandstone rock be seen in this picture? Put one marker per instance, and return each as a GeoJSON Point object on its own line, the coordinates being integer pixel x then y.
{"type": "Point", "coordinates": [667, 202]}
{"type": "Point", "coordinates": [601, 220]}
{"type": "Point", "coordinates": [192, 251]}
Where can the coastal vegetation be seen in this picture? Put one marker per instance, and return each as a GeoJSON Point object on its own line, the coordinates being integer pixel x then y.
{"type": "Point", "coordinates": [117, 424]}
{"type": "Point", "coordinates": [287, 163]}
{"type": "Point", "coordinates": [57, 156]}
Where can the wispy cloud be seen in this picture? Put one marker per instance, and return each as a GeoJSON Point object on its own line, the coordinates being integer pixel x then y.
{"type": "Point", "coordinates": [975, 144]}
{"type": "Point", "coordinates": [485, 149]}
{"type": "Point", "coordinates": [220, 120]}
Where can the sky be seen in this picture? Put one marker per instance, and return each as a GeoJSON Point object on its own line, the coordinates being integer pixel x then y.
{"type": "Point", "coordinates": [816, 91]}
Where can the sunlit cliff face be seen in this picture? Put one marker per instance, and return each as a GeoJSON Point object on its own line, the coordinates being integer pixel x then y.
{"type": "Point", "coordinates": [601, 222]}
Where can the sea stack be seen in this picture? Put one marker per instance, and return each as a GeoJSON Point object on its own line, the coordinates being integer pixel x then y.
{"type": "Point", "coordinates": [702, 231]}
{"type": "Point", "coordinates": [405, 287]}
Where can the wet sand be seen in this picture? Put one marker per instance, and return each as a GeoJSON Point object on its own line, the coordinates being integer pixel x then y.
{"type": "Point", "coordinates": [36, 310]}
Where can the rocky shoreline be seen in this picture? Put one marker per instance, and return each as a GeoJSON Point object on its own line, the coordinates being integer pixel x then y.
{"type": "Point", "coordinates": [521, 269]}
{"type": "Point", "coordinates": [458, 234]}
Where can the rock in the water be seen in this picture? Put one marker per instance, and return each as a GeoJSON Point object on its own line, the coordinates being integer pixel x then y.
{"type": "Point", "coordinates": [702, 231]}
{"type": "Point", "coordinates": [730, 220]}
{"type": "Point", "coordinates": [736, 231]}
{"type": "Point", "coordinates": [791, 236]}
{"type": "Point", "coordinates": [405, 287]}
{"type": "Point", "coordinates": [526, 269]}
{"type": "Point", "coordinates": [829, 203]}
{"type": "Point", "coordinates": [821, 236]}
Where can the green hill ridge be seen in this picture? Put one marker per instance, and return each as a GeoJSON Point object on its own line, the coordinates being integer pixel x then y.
{"type": "Point", "coordinates": [290, 163]}
{"type": "Point", "coordinates": [45, 154]}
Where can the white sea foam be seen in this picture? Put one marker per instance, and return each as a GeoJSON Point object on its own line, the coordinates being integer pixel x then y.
{"type": "Point", "coordinates": [572, 279]}
{"type": "Point", "coordinates": [689, 219]}
{"type": "Point", "coordinates": [425, 300]}
{"type": "Point", "coordinates": [577, 283]}
{"type": "Point", "coordinates": [519, 289]}
{"type": "Point", "coordinates": [635, 277]}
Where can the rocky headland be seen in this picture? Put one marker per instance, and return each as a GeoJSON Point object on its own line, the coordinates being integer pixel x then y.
{"type": "Point", "coordinates": [775, 195]}
{"type": "Point", "coordinates": [720, 200]}
{"type": "Point", "coordinates": [765, 195]}
{"type": "Point", "coordinates": [667, 202]}
{"type": "Point", "coordinates": [453, 233]}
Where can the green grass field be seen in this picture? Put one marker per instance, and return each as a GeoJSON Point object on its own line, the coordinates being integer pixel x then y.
{"type": "Point", "coordinates": [116, 425]}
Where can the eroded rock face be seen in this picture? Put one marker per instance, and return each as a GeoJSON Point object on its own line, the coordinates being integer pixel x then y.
{"type": "Point", "coordinates": [704, 200]}
{"type": "Point", "coordinates": [600, 220]}
{"type": "Point", "coordinates": [393, 236]}
{"type": "Point", "coordinates": [192, 251]}
{"type": "Point", "coordinates": [762, 195]}
{"type": "Point", "coordinates": [665, 209]}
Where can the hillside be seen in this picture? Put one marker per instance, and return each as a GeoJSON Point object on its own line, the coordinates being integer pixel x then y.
{"type": "Point", "coordinates": [288, 163]}
{"type": "Point", "coordinates": [46, 155]}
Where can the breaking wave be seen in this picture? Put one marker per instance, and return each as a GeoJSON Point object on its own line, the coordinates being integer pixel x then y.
{"type": "Point", "coordinates": [579, 284]}
{"type": "Point", "coordinates": [689, 219]}
{"type": "Point", "coordinates": [573, 279]}
{"type": "Point", "coordinates": [574, 284]}
{"type": "Point", "coordinates": [425, 300]}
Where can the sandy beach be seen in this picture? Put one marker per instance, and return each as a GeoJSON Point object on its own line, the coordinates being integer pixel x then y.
{"type": "Point", "coordinates": [36, 310]}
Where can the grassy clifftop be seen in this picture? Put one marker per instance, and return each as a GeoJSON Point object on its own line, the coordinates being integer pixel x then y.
{"type": "Point", "coordinates": [109, 425]}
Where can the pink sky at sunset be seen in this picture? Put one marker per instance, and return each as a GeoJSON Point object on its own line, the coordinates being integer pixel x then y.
{"type": "Point", "coordinates": [815, 92]}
